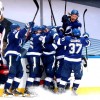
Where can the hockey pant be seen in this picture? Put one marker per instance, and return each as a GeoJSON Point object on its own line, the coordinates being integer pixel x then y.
{"type": "Point", "coordinates": [34, 70]}
{"type": "Point", "coordinates": [15, 72]}
{"type": "Point", "coordinates": [58, 68]}
{"type": "Point", "coordinates": [66, 73]}
{"type": "Point", "coordinates": [49, 65]}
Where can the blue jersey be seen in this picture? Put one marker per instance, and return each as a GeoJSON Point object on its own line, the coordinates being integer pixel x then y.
{"type": "Point", "coordinates": [72, 25]}
{"type": "Point", "coordinates": [60, 50]}
{"type": "Point", "coordinates": [74, 46]}
{"type": "Point", "coordinates": [14, 42]}
{"type": "Point", "coordinates": [35, 45]}
{"type": "Point", "coordinates": [49, 47]}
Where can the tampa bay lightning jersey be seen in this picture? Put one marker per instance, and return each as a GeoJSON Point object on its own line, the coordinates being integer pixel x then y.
{"type": "Point", "coordinates": [72, 25]}
{"type": "Point", "coordinates": [14, 42]}
{"type": "Point", "coordinates": [60, 49]}
{"type": "Point", "coordinates": [74, 46]}
{"type": "Point", "coordinates": [49, 47]}
{"type": "Point", "coordinates": [35, 48]}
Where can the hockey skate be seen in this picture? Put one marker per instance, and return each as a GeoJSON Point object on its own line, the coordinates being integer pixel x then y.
{"type": "Point", "coordinates": [74, 89]}
{"type": "Point", "coordinates": [61, 90]}
{"type": "Point", "coordinates": [67, 87]}
{"type": "Point", "coordinates": [55, 90]}
{"type": "Point", "coordinates": [7, 93]}
{"type": "Point", "coordinates": [27, 93]}
{"type": "Point", "coordinates": [17, 93]}
{"type": "Point", "coordinates": [46, 87]}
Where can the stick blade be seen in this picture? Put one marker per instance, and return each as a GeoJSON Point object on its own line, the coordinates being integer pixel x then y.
{"type": "Point", "coordinates": [85, 11]}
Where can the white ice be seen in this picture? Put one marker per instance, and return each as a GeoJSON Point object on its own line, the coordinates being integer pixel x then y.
{"type": "Point", "coordinates": [47, 95]}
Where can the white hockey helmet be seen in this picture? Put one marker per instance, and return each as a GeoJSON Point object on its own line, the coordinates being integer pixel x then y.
{"type": "Point", "coordinates": [1, 8]}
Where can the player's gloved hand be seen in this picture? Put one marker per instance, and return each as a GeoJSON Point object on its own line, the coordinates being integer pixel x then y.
{"type": "Point", "coordinates": [84, 61]}
{"type": "Point", "coordinates": [29, 25]}
{"type": "Point", "coordinates": [86, 35]}
{"type": "Point", "coordinates": [64, 18]}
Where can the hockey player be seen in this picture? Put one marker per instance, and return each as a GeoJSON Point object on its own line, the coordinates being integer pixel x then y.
{"type": "Point", "coordinates": [72, 57]}
{"type": "Point", "coordinates": [11, 52]}
{"type": "Point", "coordinates": [5, 23]}
{"type": "Point", "coordinates": [59, 56]}
{"type": "Point", "coordinates": [48, 57]}
{"type": "Point", "coordinates": [3, 69]}
{"type": "Point", "coordinates": [71, 22]}
{"type": "Point", "coordinates": [4, 29]}
{"type": "Point", "coordinates": [33, 56]}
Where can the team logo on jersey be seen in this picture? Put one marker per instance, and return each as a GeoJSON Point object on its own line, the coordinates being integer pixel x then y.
{"type": "Point", "coordinates": [63, 39]}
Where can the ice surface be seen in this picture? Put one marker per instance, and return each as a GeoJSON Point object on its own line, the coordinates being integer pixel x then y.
{"type": "Point", "coordinates": [47, 95]}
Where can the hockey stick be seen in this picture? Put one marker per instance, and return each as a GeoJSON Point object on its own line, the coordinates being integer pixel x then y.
{"type": "Point", "coordinates": [37, 5]}
{"type": "Point", "coordinates": [52, 15]}
{"type": "Point", "coordinates": [84, 19]}
{"type": "Point", "coordinates": [85, 28]}
{"type": "Point", "coordinates": [26, 45]}
{"type": "Point", "coordinates": [53, 19]}
{"type": "Point", "coordinates": [65, 7]}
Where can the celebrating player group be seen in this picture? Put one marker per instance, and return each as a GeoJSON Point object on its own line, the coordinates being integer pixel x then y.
{"type": "Point", "coordinates": [58, 48]}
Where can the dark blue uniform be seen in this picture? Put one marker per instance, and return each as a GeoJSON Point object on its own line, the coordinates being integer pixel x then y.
{"type": "Point", "coordinates": [33, 56]}
{"type": "Point", "coordinates": [72, 25]}
{"type": "Point", "coordinates": [59, 59]}
{"type": "Point", "coordinates": [72, 58]}
{"type": "Point", "coordinates": [11, 52]}
{"type": "Point", "coordinates": [48, 58]}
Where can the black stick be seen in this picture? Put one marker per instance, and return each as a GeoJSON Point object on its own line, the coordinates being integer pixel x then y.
{"type": "Point", "coordinates": [52, 12]}
{"type": "Point", "coordinates": [85, 29]}
{"type": "Point", "coordinates": [65, 7]}
{"type": "Point", "coordinates": [37, 5]}
{"type": "Point", "coordinates": [84, 20]}
{"type": "Point", "coordinates": [24, 50]}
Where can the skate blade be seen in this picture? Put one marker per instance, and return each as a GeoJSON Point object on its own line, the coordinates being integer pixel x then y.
{"type": "Point", "coordinates": [74, 93]}
{"type": "Point", "coordinates": [7, 96]}
{"type": "Point", "coordinates": [16, 95]}
{"type": "Point", "coordinates": [30, 96]}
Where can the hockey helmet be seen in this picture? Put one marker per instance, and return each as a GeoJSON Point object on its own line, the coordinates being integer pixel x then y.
{"type": "Point", "coordinates": [76, 32]}
{"type": "Point", "coordinates": [14, 26]}
{"type": "Point", "coordinates": [75, 12]}
{"type": "Point", "coordinates": [36, 28]}
{"type": "Point", "coordinates": [43, 27]}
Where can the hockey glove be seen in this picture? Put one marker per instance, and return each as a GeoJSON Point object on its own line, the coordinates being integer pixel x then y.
{"type": "Point", "coordinates": [86, 35]}
{"type": "Point", "coordinates": [84, 61]}
{"type": "Point", "coordinates": [29, 25]}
